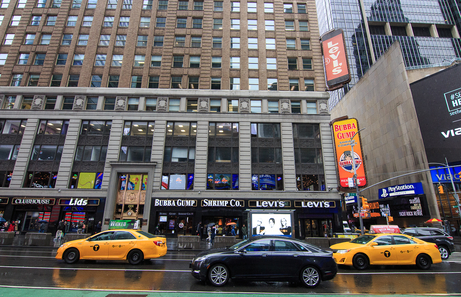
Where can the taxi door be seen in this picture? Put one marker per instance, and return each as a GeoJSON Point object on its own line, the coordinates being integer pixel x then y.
{"type": "Point", "coordinates": [382, 251]}
{"type": "Point", "coordinates": [96, 247]}
{"type": "Point", "coordinates": [407, 249]}
{"type": "Point", "coordinates": [121, 244]}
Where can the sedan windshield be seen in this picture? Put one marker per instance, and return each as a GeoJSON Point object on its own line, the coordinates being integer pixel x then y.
{"type": "Point", "coordinates": [363, 239]}
{"type": "Point", "coordinates": [238, 245]}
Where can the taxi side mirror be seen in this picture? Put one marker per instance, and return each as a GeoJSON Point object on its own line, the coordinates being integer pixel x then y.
{"type": "Point", "coordinates": [373, 244]}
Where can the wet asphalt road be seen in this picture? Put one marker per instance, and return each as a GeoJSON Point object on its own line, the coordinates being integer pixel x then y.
{"type": "Point", "coordinates": [37, 267]}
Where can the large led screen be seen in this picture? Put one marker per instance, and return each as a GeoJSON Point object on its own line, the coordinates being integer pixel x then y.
{"type": "Point", "coordinates": [437, 101]}
{"type": "Point", "coordinates": [272, 224]}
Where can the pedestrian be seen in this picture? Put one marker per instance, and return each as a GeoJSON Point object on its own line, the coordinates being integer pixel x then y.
{"type": "Point", "coordinates": [79, 227]}
{"type": "Point", "coordinates": [244, 232]}
{"type": "Point", "coordinates": [59, 233]}
{"type": "Point", "coordinates": [67, 227]}
{"type": "Point", "coordinates": [84, 227]}
{"type": "Point", "coordinates": [99, 226]}
{"type": "Point", "coordinates": [233, 231]}
{"type": "Point", "coordinates": [208, 230]}
{"type": "Point", "coordinates": [213, 234]}
{"type": "Point", "coordinates": [11, 227]}
{"type": "Point", "coordinates": [42, 227]}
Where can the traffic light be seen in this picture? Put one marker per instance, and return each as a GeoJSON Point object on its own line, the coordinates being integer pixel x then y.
{"type": "Point", "coordinates": [365, 203]}
{"type": "Point", "coordinates": [441, 189]}
{"type": "Point", "coordinates": [391, 219]}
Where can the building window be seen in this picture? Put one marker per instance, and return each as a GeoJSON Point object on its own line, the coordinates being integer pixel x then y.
{"type": "Point", "coordinates": [215, 83]}
{"type": "Point", "coordinates": [183, 5]}
{"type": "Point", "coordinates": [255, 106]}
{"type": "Point", "coordinates": [268, 7]}
{"type": "Point", "coordinates": [251, 6]}
{"type": "Point", "coordinates": [302, 8]}
{"type": "Point", "coordinates": [217, 24]}
{"type": "Point", "coordinates": [33, 80]}
{"type": "Point", "coordinates": [235, 24]}
{"type": "Point", "coordinates": [235, 6]}
{"type": "Point", "coordinates": [273, 106]}
{"type": "Point", "coordinates": [3, 58]}
{"type": "Point", "coordinates": [216, 62]}
{"type": "Point", "coordinates": [252, 63]}
{"type": "Point", "coordinates": [71, 21]}
{"type": "Point", "coordinates": [160, 23]}
{"type": "Point", "coordinates": [16, 80]}
{"type": "Point", "coordinates": [156, 61]}
{"type": "Point", "coordinates": [288, 7]}
{"type": "Point", "coordinates": [92, 4]}
{"type": "Point", "coordinates": [76, 3]}
{"type": "Point", "coordinates": [173, 105]}
{"type": "Point", "coordinates": [68, 103]}
{"type": "Point", "coordinates": [136, 81]}
{"type": "Point", "coordinates": [51, 20]}
{"type": "Point", "coordinates": [269, 25]}
{"type": "Point", "coordinates": [83, 39]}
{"type": "Point", "coordinates": [8, 39]}
{"type": "Point", "coordinates": [193, 82]}
{"type": "Point", "coordinates": [100, 60]}
{"type": "Point", "coordinates": [215, 105]}
{"type": "Point", "coordinates": [66, 39]}
{"type": "Point", "coordinates": [192, 105]}
{"type": "Point", "coordinates": [78, 59]}
{"type": "Point", "coordinates": [96, 81]}
{"type": "Point", "coordinates": [112, 4]}
{"type": "Point", "coordinates": [178, 61]}
{"type": "Point", "coordinates": [27, 102]}
{"type": "Point", "coordinates": [196, 41]}
{"type": "Point", "coordinates": [176, 82]}
{"type": "Point", "coordinates": [303, 26]}
{"type": "Point", "coordinates": [217, 42]}
{"type": "Point", "coordinates": [117, 60]}
{"type": "Point", "coordinates": [218, 6]}
{"type": "Point", "coordinates": [91, 102]}
{"type": "Point", "coordinates": [8, 152]}
{"type": "Point", "coordinates": [235, 42]}
{"type": "Point", "coordinates": [73, 80]}
{"type": "Point", "coordinates": [124, 22]}
{"type": "Point", "coordinates": [153, 82]}
{"type": "Point", "coordinates": [162, 5]}
{"type": "Point", "coordinates": [307, 64]}
{"type": "Point", "coordinates": [109, 103]}
{"type": "Point", "coordinates": [90, 153]}
{"type": "Point", "coordinates": [294, 84]}
{"type": "Point", "coordinates": [127, 4]}
{"type": "Point", "coordinates": [46, 38]}
{"type": "Point", "coordinates": [272, 84]}
{"type": "Point", "coordinates": [56, 80]}
{"type": "Point", "coordinates": [252, 43]}
{"type": "Point", "coordinates": [133, 103]}
{"type": "Point", "coordinates": [253, 84]}
{"type": "Point", "coordinates": [21, 3]}
{"type": "Point", "coordinates": [12, 126]}
{"type": "Point", "coordinates": [50, 102]}
{"type": "Point", "coordinates": [15, 20]}
{"type": "Point", "coordinates": [305, 44]}
{"type": "Point", "coordinates": [22, 60]}
{"type": "Point", "coordinates": [29, 39]}
{"type": "Point", "coordinates": [270, 43]}
{"type": "Point", "coordinates": [158, 41]}
{"type": "Point", "coordinates": [252, 24]}
{"type": "Point", "coordinates": [87, 21]}
{"type": "Point", "coordinates": [295, 106]}
{"type": "Point", "coordinates": [40, 3]}
{"type": "Point", "coordinates": [39, 59]}
{"type": "Point", "coordinates": [139, 61]}
{"type": "Point", "coordinates": [292, 64]}
{"type": "Point", "coordinates": [309, 85]}
{"type": "Point", "coordinates": [290, 25]}
{"type": "Point", "coordinates": [198, 5]}
{"type": "Point", "coordinates": [235, 62]}
{"type": "Point", "coordinates": [142, 40]}
{"type": "Point", "coordinates": [180, 41]}
{"type": "Point", "coordinates": [145, 22]}
{"type": "Point", "coordinates": [271, 63]}
{"type": "Point", "coordinates": [235, 83]}
{"type": "Point", "coordinates": [38, 179]}
{"type": "Point", "coordinates": [108, 22]}
{"type": "Point", "coordinates": [197, 23]}
{"type": "Point", "coordinates": [113, 81]}
{"type": "Point", "coordinates": [194, 62]}
{"type": "Point", "coordinates": [151, 104]}
{"type": "Point", "coordinates": [291, 44]}
{"type": "Point", "coordinates": [181, 22]}
{"type": "Point", "coordinates": [311, 108]}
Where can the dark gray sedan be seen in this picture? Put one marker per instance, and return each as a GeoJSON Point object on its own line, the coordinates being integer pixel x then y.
{"type": "Point", "coordinates": [266, 258]}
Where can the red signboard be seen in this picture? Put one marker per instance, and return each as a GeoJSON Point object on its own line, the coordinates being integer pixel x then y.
{"type": "Point", "coordinates": [335, 59]}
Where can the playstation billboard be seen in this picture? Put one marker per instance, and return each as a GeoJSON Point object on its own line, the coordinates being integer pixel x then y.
{"type": "Point", "coordinates": [437, 100]}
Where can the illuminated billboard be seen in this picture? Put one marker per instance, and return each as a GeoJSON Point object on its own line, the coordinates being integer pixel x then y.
{"type": "Point", "coordinates": [279, 224]}
{"type": "Point", "coordinates": [335, 59]}
{"type": "Point", "coordinates": [437, 100]}
{"type": "Point", "coordinates": [343, 130]}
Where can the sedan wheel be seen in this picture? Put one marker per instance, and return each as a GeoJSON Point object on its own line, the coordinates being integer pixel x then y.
{"type": "Point", "coordinates": [135, 257]}
{"type": "Point", "coordinates": [444, 253]}
{"type": "Point", "coordinates": [310, 277]}
{"type": "Point", "coordinates": [218, 275]}
{"type": "Point", "coordinates": [71, 256]}
{"type": "Point", "coordinates": [423, 262]}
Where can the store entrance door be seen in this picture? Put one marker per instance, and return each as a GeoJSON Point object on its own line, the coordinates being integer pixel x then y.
{"type": "Point", "coordinates": [317, 227]}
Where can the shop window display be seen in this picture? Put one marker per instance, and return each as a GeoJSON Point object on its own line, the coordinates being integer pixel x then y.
{"type": "Point", "coordinates": [86, 180]}
{"type": "Point", "coordinates": [131, 196]}
{"type": "Point", "coordinates": [40, 179]}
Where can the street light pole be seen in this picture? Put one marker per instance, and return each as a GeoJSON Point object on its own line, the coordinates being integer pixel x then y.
{"type": "Point", "coordinates": [356, 182]}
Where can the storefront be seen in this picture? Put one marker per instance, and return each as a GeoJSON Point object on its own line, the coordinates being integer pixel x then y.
{"type": "Point", "coordinates": [87, 210]}
{"type": "Point", "coordinates": [33, 214]}
{"type": "Point", "coordinates": [303, 218]}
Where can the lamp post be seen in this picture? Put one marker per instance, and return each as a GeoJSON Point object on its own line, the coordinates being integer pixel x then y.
{"type": "Point", "coordinates": [455, 194]}
{"type": "Point", "coordinates": [357, 190]}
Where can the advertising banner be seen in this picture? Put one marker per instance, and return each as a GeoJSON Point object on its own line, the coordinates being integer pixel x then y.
{"type": "Point", "coordinates": [401, 190]}
{"type": "Point", "coordinates": [271, 224]}
{"type": "Point", "coordinates": [335, 58]}
{"type": "Point", "coordinates": [343, 131]}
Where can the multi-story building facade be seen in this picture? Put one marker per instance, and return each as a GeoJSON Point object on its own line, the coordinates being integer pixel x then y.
{"type": "Point", "coordinates": [428, 32]}
{"type": "Point", "coordinates": [167, 112]}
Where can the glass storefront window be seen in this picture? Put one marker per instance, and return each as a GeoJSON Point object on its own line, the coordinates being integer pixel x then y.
{"type": "Point", "coordinates": [86, 180]}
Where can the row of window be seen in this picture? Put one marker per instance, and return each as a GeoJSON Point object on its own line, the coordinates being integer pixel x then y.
{"type": "Point", "coordinates": [218, 6]}
{"type": "Point", "coordinates": [133, 103]}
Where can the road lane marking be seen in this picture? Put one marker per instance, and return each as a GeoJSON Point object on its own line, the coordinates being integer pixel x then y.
{"type": "Point", "coordinates": [52, 257]}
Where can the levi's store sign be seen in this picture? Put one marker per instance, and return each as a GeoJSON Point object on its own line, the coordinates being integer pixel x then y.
{"type": "Point", "coordinates": [269, 203]}
{"type": "Point", "coordinates": [315, 204]}
{"type": "Point", "coordinates": [335, 59]}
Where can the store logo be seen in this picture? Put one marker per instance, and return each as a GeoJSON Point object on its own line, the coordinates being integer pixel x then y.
{"type": "Point", "coordinates": [345, 161]}
{"type": "Point", "coordinates": [453, 101]}
{"type": "Point", "coordinates": [79, 202]}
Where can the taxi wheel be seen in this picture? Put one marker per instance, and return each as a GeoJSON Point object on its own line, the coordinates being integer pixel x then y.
{"type": "Point", "coordinates": [423, 261]}
{"type": "Point", "coordinates": [360, 261]}
{"type": "Point", "coordinates": [135, 257]}
{"type": "Point", "coordinates": [444, 253]}
{"type": "Point", "coordinates": [71, 256]}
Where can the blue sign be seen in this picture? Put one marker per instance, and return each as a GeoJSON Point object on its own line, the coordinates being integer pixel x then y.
{"type": "Point", "coordinates": [401, 190]}
{"type": "Point", "coordinates": [441, 175]}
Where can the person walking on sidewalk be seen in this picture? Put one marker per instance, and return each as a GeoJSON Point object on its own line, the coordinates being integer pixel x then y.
{"type": "Point", "coordinates": [59, 233]}
{"type": "Point", "coordinates": [213, 233]}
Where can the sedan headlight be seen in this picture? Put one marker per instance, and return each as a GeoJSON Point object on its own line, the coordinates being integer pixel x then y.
{"type": "Point", "coordinates": [342, 251]}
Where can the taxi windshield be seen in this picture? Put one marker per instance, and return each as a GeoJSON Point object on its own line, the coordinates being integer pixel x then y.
{"type": "Point", "coordinates": [363, 239]}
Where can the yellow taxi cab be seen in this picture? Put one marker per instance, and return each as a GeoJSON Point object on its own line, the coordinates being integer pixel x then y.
{"type": "Point", "coordinates": [386, 249]}
{"type": "Point", "coordinates": [120, 244]}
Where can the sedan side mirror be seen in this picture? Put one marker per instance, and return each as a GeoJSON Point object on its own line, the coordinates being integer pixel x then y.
{"type": "Point", "coordinates": [242, 251]}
